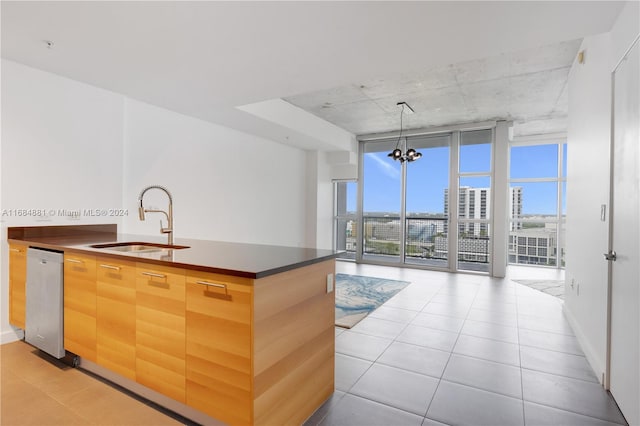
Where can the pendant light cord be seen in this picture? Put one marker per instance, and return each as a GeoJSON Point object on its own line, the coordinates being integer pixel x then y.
{"type": "Point", "coordinates": [400, 137]}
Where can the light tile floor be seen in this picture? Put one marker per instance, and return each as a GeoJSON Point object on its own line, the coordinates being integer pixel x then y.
{"type": "Point", "coordinates": [448, 349]}
{"type": "Point", "coordinates": [464, 349]}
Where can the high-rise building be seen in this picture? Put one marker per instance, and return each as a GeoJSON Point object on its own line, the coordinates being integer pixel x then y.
{"type": "Point", "coordinates": [515, 207]}
{"type": "Point", "coordinates": [475, 203]}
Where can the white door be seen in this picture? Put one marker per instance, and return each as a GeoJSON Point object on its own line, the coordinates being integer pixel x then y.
{"type": "Point", "coordinates": [625, 239]}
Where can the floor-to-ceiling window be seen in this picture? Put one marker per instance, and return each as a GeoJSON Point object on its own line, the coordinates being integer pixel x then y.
{"type": "Point", "coordinates": [405, 210]}
{"type": "Point", "coordinates": [426, 222]}
{"type": "Point", "coordinates": [474, 200]}
{"type": "Point", "coordinates": [537, 177]}
{"type": "Point", "coordinates": [382, 197]}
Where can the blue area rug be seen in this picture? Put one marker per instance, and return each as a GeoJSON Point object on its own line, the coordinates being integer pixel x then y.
{"type": "Point", "coordinates": [357, 296]}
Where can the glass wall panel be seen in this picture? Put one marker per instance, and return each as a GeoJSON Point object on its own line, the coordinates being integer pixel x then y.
{"type": "Point", "coordinates": [538, 198]}
{"type": "Point", "coordinates": [525, 161]}
{"type": "Point", "coordinates": [474, 248]}
{"type": "Point", "coordinates": [381, 198]}
{"type": "Point", "coordinates": [426, 223]}
{"type": "Point", "coordinates": [474, 198]}
{"type": "Point", "coordinates": [536, 207]}
{"type": "Point", "coordinates": [535, 243]}
{"type": "Point", "coordinates": [475, 151]}
{"type": "Point", "coordinates": [474, 215]}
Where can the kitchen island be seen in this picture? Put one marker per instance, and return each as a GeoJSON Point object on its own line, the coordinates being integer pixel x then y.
{"type": "Point", "coordinates": [217, 332]}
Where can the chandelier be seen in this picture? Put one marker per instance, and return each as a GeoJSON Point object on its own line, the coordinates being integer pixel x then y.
{"type": "Point", "coordinates": [409, 154]}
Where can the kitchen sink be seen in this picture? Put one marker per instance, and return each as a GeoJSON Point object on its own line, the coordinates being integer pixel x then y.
{"type": "Point", "coordinates": [137, 247]}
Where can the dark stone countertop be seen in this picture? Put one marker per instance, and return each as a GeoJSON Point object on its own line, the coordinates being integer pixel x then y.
{"type": "Point", "coordinates": [228, 258]}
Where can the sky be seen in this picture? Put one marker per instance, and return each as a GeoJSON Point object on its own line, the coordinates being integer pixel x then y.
{"type": "Point", "coordinates": [428, 176]}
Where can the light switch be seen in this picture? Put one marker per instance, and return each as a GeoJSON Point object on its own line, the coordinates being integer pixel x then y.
{"type": "Point", "coordinates": [329, 283]}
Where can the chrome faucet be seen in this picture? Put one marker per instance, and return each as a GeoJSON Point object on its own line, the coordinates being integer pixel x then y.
{"type": "Point", "coordinates": [141, 211]}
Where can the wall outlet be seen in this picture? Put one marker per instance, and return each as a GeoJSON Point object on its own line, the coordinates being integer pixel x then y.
{"type": "Point", "coordinates": [329, 283]}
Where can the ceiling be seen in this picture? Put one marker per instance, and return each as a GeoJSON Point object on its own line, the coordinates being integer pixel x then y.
{"type": "Point", "coordinates": [206, 59]}
{"type": "Point", "coordinates": [528, 87]}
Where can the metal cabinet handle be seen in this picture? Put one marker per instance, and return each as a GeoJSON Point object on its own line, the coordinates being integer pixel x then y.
{"type": "Point", "coordinates": [213, 285]}
{"type": "Point", "coordinates": [74, 261]}
{"type": "Point", "coordinates": [151, 274]}
{"type": "Point", "coordinates": [116, 268]}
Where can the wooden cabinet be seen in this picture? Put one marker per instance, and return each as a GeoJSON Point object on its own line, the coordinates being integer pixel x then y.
{"type": "Point", "coordinates": [160, 329]}
{"type": "Point", "coordinates": [293, 344]}
{"type": "Point", "coordinates": [219, 367]}
{"type": "Point", "coordinates": [17, 284]}
{"type": "Point", "coordinates": [116, 315]}
{"type": "Point", "coordinates": [80, 305]}
{"type": "Point", "coordinates": [241, 350]}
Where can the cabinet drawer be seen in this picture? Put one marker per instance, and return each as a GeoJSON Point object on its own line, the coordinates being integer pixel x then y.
{"type": "Point", "coordinates": [80, 265]}
{"type": "Point", "coordinates": [220, 296]}
{"type": "Point", "coordinates": [162, 282]}
{"type": "Point", "coordinates": [117, 273]}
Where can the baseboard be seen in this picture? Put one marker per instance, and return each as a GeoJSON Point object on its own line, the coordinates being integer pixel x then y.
{"type": "Point", "coordinates": [9, 336]}
{"type": "Point", "coordinates": [597, 363]}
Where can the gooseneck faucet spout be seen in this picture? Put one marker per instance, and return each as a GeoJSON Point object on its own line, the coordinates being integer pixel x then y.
{"type": "Point", "coordinates": [141, 211]}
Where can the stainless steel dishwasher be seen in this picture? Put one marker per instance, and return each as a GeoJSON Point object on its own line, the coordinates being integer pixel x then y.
{"type": "Point", "coordinates": [44, 320]}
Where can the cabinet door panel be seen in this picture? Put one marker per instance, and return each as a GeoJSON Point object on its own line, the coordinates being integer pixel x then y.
{"type": "Point", "coordinates": [160, 329]}
{"type": "Point", "coordinates": [17, 284]}
{"type": "Point", "coordinates": [80, 305]}
{"type": "Point", "coordinates": [116, 316]}
{"type": "Point", "coordinates": [219, 375]}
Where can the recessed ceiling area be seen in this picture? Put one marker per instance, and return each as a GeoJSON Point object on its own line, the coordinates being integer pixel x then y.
{"type": "Point", "coordinates": [528, 87]}
{"type": "Point", "coordinates": [450, 60]}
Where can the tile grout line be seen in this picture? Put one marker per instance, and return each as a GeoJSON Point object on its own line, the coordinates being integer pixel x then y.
{"type": "Point", "coordinates": [448, 359]}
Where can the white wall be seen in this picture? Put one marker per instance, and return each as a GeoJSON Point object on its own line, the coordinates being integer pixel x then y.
{"type": "Point", "coordinates": [319, 225]}
{"type": "Point", "coordinates": [588, 139]}
{"type": "Point", "coordinates": [67, 145]}
{"type": "Point", "coordinates": [61, 149]}
{"type": "Point", "coordinates": [226, 185]}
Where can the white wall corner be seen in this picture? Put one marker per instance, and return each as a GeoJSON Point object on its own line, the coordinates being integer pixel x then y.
{"type": "Point", "coordinates": [319, 201]}
{"type": "Point", "coordinates": [311, 200]}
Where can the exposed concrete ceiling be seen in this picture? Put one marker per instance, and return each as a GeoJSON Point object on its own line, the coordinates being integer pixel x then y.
{"type": "Point", "coordinates": [205, 59]}
{"type": "Point", "coordinates": [528, 87]}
